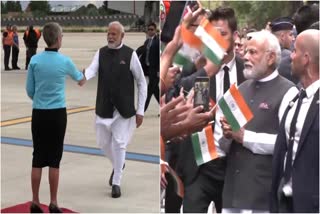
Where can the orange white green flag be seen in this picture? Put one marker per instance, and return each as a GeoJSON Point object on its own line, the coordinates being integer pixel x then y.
{"type": "Point", "coordinates": [235, 108]}
{"type": "Point", "coordinates": [203, 145]}
{"type": "Point", "coordinates": [214, 46]}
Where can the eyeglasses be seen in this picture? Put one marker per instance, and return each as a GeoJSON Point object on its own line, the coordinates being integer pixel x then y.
{"type": "Point", "coordinates": [150, 29]}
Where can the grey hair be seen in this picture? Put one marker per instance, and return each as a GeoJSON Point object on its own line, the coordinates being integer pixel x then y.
{"type": "Point", "coordinates": [272, 43]}
{"type": "Point", "coordinates": [51, 33]}
{"type": "Point", "coordinates": [117, 23]}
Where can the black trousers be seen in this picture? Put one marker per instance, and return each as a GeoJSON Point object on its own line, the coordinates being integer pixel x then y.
{"type": "Point", "coordinates": [7, 51]}
{"type": "Point", "coordinates": [199, 194]}
{"type": "Point", "coordinates": [153, 89]}
{"type": "Point", "coordinates": [30, 53]}
{"type": "Point", "coordinates": [285, 204]}
{"type": "Point", "coordinates": [15, 56]}
{"type": "Point", "coordinates": [173, 201]}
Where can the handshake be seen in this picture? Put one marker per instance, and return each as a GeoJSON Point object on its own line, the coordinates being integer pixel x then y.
{"type": "Point", "coordinates": [84, 79]}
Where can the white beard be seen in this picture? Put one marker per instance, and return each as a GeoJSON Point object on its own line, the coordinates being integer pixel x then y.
{"type": "Point", "coordinates": [112, 45]}
{"type": "Point", "coordinates": [257, 71]}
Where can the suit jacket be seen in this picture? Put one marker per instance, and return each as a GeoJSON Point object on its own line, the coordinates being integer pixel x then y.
{"type": "Point", "coordinates": [154, 56]}
{"type": "Point", "coordinates": [305, 171]}
{"type": "Point", "coordinates": [187, 167]}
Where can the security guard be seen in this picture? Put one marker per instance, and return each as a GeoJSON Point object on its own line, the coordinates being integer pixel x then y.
{"type": "Point", "coordinates": [282, 28]}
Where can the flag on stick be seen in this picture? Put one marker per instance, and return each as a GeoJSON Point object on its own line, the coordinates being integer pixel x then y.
{"type": "Point", "coordinates": [235, 108]}
{"type": "Point", "coordinates": [214, 46]}
{"type": "Point", "coordinates": [203, 145]}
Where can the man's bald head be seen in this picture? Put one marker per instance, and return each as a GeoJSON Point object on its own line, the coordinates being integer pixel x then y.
{"type": "Point", "coordinates": [308, 40]}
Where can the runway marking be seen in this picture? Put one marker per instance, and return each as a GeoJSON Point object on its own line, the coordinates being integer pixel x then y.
{"type": "Point", "coordinates": [154, 159]}
{"type": "Point", "coordinates": [28, 119]}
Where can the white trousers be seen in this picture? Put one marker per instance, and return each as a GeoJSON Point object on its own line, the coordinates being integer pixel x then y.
{"type": "Point", "coordinates": [113, 136]}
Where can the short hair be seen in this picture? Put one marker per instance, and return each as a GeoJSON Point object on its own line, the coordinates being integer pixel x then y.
{"type": "Point", "coordinates": [51, 32]}
{"type": "Point", "coordinates": [273, 43]}
{"type": "Point", "coordinates": [117, 23]}
{"type": "Point", "coordinates": [152, 24]}
{"type": "Point", "coordinates": [314, 26]}
{"type": "Point", "coordinates": [226, 13]}
{"type": "Point", "coordinates": [305, 16]}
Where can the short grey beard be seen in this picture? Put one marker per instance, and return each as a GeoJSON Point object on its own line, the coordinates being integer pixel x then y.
{"type": "Point", "coordinates": [112, 46]}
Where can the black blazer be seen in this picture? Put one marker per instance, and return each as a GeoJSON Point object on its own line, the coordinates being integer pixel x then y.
{"type": "Point", "coordinates": [154, 56]}
{"type": "Point", "coordinates": [305, 172]}
{"type": "Point", "coordinates": [187, 167]}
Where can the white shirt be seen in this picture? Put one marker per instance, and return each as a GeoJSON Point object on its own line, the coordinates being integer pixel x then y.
{"type": "Point", "coordinates": [137, 73]}
{"type": "Point", "coordinates": [221, 146]}
{"type": "Point", "coordinates": [306, 103]}
{"type": "Point", "coordinates": [263, 143]}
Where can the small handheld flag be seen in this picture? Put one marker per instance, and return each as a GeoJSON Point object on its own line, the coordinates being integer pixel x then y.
{"type": "Point", "coordinates": [235, 108]}
{"type": "Point", "coordinates": [203, 145]}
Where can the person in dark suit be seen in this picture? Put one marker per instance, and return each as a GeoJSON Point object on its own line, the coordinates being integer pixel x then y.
{"type": "Point", "coordinates": [295, 167]}
{"type": "Point", "coordinates": [204, 183]}
{"type": "Point", "coordinates": [282, 28]}
{"type": "Point", "coordinates": [249, 160]}
{"type": "Point", "coordinates": [152, 51]}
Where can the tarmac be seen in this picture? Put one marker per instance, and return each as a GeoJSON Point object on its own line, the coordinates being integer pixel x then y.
{"type": "Point", "coordinates": [84, 171]}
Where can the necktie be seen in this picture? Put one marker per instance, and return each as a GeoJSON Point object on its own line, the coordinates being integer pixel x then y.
{"type": "Point", "coordinates": [288, 166]}
{"type": "Point", "coordinates": [148, 51]}
{"type": "Point", "coordinates": [226, 80]}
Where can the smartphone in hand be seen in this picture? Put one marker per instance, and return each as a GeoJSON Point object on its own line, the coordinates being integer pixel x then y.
{"type": "Point", "coordinates": [201, 93]}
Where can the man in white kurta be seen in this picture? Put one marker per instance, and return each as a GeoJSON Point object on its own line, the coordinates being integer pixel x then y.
{"type": "Point", "coordinates": [113, 134]}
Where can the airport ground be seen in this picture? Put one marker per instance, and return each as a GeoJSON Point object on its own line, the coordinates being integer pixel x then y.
{"type": "Point", "coordinates": [84, 170]}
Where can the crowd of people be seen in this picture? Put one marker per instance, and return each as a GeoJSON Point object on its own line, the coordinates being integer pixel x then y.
{"type": "Point", "coordinates": [259, 167]}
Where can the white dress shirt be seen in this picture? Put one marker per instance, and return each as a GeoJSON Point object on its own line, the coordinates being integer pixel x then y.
{"type": "Point", "coordinates": [137, 73]}
{"type": "Point", "coordinates": [306, 103]}
{"type": "Point", "coordinates": [221, 146]}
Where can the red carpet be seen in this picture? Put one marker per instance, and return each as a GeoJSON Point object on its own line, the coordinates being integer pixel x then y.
{"type": "Point", "coordinates": [24, 208]}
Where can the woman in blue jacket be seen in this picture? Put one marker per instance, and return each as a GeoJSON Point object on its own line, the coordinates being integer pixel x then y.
{"type": "Point", "coordinates": [47, 72]}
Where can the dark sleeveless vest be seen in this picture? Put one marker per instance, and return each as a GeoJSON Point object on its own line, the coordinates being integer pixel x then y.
{"type": "Point", "coordinates": [115, 83]}
{"type": "Point", "coordinates": [248, 175]}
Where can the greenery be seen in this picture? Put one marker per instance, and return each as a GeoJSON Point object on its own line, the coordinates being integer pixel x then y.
{"type": "Point", "coordinates": [39, 8]}
{"type": "Point", "coordinates": [10, 6]}
{"type": "Point", "coordinates": [255, 14]}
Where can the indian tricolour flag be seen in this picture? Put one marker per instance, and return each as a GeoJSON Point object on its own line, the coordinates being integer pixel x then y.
{"type": "Point", "coordinates": [214, 46]}
{"type": "Point", "coordinates": [203, 146]}
{"type": "Point", "coordinates": [185, 56]}
{"type": "Point", "coordinates": [235, 108]}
